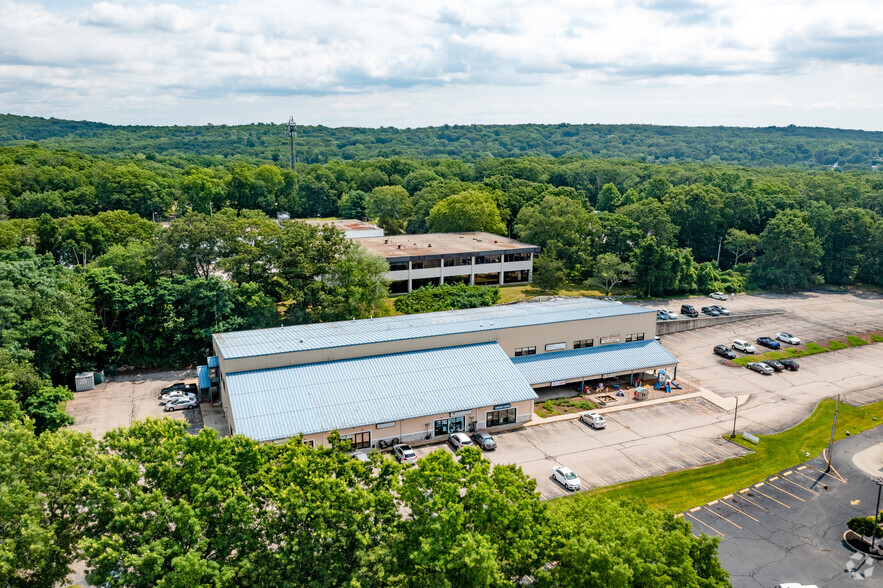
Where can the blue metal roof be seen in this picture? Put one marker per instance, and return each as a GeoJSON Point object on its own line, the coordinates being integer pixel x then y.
{"type": "Point", "coordinates": [212, 361]}
{"type": "Point", "coordinates": [593, 361]}
{"type": "Point", "coordinates": [202, 377]}
{"type": "Point", "coordinates": [282, 402]}
{"type": "Point", "coordinates": [396, 328]}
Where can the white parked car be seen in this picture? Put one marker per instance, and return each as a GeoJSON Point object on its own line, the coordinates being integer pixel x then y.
{"type": "Point", "coordinates": [742, 345]}
{"type": "Point", "coordinates": [180, 404]}
{"type": "Point", "coordinates": [458, 440]}
{"type": "Point", "coordinates": [672, 315]}
{"type": "Point", "coordinates": [593, 419]}
{"type": "Point", "coordinates": [565, 476]}
{"type": "Point", "coordinates": [718, 296]}
{"type": "Point", "coordinates": [404, 454]}
{"type": "Point", "coordinates": [176, 395]}
{"type": "Point", "coordinates": [788, 338]}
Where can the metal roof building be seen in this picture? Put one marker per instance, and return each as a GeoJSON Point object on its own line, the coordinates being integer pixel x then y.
{"type": "Point", "coordinates": [418, 377]}
{"type": "Point", "coordinates": [306, 399]}
{"type": "Point", "coordinates": [610, 360]}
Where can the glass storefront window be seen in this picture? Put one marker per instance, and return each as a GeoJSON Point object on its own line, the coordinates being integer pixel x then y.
{"type": "Point", "coordinates": [496, 418]}
{"type": "Point", "coordinates": [359, 440]}
{"type": "Point", "coordinates": [449, 426]}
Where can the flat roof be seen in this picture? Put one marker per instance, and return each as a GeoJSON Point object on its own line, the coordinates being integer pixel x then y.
{"type": "Point", "coordinates": [341, 224]}
{"type": "Point", "coordinates": [241, 344]}
{"type": "Point", "coordinates": [594, 361]}
{"type": "Point", "coordinates": [282, 402]}
{"type": "Point", "coordinates": [441, 244]}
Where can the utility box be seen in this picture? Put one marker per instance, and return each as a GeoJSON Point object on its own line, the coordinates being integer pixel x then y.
{"type": "Point", "coordinates": [99, 377]}
{"type": "Point", "coordinates": [84, 381]}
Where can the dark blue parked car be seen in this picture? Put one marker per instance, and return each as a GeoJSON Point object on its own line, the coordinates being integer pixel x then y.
{"type": "Point", "coordinates": [768, 342]}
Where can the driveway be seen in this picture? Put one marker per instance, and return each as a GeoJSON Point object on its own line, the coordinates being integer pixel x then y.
{"type": "Point", "coordinates": [122, 400]}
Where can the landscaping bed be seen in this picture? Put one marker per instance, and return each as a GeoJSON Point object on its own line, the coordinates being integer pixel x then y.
{"type": "Point", "coordinates": [810, 348]}
{"type": "Point", "coordinates": [564, 405]}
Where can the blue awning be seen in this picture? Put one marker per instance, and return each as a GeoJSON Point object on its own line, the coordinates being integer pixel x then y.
{"type": "Point", "coordinates": [202, 377]}
{"type": "Point", "coordinates": [212, 361]}
{"type": "Point", "coordinates": [593, 362]}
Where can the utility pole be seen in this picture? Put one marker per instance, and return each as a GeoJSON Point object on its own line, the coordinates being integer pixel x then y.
{"type": "Point", "coordinates": [735, 413]}
{"type": "Point", "coordinates": [833, 428]}
{"type": "Point", "coordinates": [719, 242]}
{"type": "Point", "coordinates": [879, 481]}
{"type": "Point", "coordinates": [292, 135]}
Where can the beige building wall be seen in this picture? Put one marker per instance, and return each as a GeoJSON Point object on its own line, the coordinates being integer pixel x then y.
{"type": "Point", "coordinates": [615, 329]}
{"type": "Point", "coordinates": [415, 431]}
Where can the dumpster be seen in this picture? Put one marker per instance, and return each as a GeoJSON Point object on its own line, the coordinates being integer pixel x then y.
{"type": "Point", "coordinates": [84, 381]}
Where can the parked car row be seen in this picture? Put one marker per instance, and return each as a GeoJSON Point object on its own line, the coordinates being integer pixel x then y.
{"type": "Point", "coordinates": [768, 366]}
{"type": "Point", "coordinates": [690, 311]}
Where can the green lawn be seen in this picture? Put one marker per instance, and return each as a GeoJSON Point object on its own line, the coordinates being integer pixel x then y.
{"type": "Point", "coordinates": [681, 490]}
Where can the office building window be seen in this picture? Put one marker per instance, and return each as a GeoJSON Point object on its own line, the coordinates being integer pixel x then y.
{"type": "Point", "coordinates": [398, 266]}
{"type": "Point", "coordinates": [583, 343]}
{"type": "Point", "coordinates": [525, 351]}
{"type": "Point", "coordinates": [487, 259]}
{"type": "Point", "coordinates": [639, 336]}
{"type": "Point", "coordinates": [628, 337]}
{"type": "Point", "coordinates": [359, 440]}
{"type": "Point", "coordinates": [455, 261]}
{"type": "Point", "coordinates": [517, 257]}
{"type": "Point", "coordinates": [495, 418]}
{"type": "Point", "coordinates": [634, 337]}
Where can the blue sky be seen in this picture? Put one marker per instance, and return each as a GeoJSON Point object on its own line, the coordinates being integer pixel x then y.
{"type": "Point", "coordinates": [404, 63]}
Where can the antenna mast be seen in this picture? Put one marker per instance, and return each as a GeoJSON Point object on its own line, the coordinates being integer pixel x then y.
{"type": "Point", "coordinates": [292, 135]}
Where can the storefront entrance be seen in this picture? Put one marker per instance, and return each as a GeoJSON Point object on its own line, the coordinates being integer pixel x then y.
{"type": "Point", "coordinates": [451, 425]}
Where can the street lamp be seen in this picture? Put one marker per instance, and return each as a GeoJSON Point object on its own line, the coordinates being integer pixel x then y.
{"type": "Point", "coordinates": [879, 481]}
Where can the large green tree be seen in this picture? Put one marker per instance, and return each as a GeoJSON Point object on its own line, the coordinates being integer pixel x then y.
{"type": "Point", "coordinates": [564, 229]}
{"type": "Point", "coordinates": [472, 210]}
{"type": "Point", "coordinates": [390, 207]}
{"type": "Point", "coordinates": [790, 254]}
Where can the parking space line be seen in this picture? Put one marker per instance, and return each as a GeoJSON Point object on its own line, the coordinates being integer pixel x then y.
{"type": "Point", "coordinates": [814, 480]}
{"type": "Point", "coordinates": [770, 483]}
{"type": "Point", "coordinates": [756, 486]}
{"type": "Point", "coordinates": [813, 492]}
{"type": "Point", "coordinates": [676, 464]}
{"type": "Point", "coordinates": [746, 499]}
{"type": "Point", "coordinates": [703, 451]}
{"type": "Point", "coordinates": [721, 516]}
{"type": "Point", "coordinates": [738, 510]}
{"type": "Point", "coordinates": [838, 477]}
{"type": "Point", "coordinates": [631, 464]}
{"type": "Point", "coordinates": [706, 524]}
{"type": "Point", "coordinates": [687, 456]}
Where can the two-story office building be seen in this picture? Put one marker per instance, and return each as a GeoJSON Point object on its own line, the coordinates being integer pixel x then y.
{"type": "Point", "coordinates": [445, 258]}
{"type": "Point", "coordinates": [421, 377]}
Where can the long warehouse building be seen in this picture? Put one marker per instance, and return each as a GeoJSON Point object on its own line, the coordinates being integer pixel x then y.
{"type": "Point", "coordinates": [423, 377]}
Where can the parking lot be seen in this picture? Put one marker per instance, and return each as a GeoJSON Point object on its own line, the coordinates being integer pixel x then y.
{"type": "Point", "coordinates": [636, 443]}
{"type": "Point", "coordinates": [128, 398]}
{"type": "Point", "coordinates": [789, 527]}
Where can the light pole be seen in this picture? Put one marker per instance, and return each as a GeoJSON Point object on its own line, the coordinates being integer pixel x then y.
{"type": "Point", "coordinates": [735, 414]}
{"type": "Point", "coordinates": [879, 481]}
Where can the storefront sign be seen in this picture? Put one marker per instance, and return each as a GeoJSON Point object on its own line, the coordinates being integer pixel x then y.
{"type": "Point", "coordinates": [612, 339]}
{"type": "Point", "coordinates": [502, 406]}
{"type": "Point", "coordinates": [555, 346]}
{"type": "Point", "coordinates": [558, 383]}
{"type": "Point", "coordinates": [460, 413]}
{"type": "Point", "coordinates": [385, 425]}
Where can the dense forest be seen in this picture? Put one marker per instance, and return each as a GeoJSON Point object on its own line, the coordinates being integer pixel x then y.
{"type": "Point", "coordinates": [807, 147]}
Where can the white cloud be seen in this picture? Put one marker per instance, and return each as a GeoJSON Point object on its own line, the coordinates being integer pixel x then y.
{"type": "Point", "coordinates": [171, 57]}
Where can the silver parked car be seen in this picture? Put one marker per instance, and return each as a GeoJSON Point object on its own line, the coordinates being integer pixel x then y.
{"type": "Point", "coordinates": [760, 368]}
{"type": "Point", "coordinates": [458, 440]}
{"type": "Point", "coordinates": [404, 454]}
{"type": "Point", "coordinates": [180, 404]}
{"type": "Point", "coordinates": [593, 419]}
{"type": "Point", "coordinates": [788, 338]}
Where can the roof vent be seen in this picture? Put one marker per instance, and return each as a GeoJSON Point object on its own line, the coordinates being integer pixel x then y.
{"type": "Point", "coordinates": [429, 245]}
{"type": "Point", "coordinates": [301, 339]}
{"type": "Point", "coordinates": [385, 241]}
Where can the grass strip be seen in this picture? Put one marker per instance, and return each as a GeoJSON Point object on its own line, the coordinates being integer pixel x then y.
{"type": "Point", "coordinates": [835, 345]}
{"type": "Point", "coordinates": [877, 338]}
{"type": "Point", "coordinates": [685, 489]}
{"type": "Point", "coordinates": [855, 341]}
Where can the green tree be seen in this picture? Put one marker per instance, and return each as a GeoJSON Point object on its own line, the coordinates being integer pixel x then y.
{"type": "Point", "coordinates": [472, 210]}
{"type": "Point", "coordinates": [390, 206]}
{"type": "Point", "coordinates": [661, 270]}
{"type": "Point", "coordinates": [618, 234]}
{"type": "Point", "coordinates": [190, 245]}
{"type": "Point", "coordinates": [203, 190]}
{"type": "Point", "coordinates": [790, 254]}
{"type": "Point", "coordinates": [846, 243]}
{"type": "Point", "coordinates": [564, 229]}
{"type": "Point", "coordinates": [698, 211]}
{"type": "Point", "coordinates": [356, 284]}
{"type": "Point", "coordinates": [352, 204]}
{"type": "Point", "coordinates": [548, 272]}
{"type": "Point", "coordinates": [628, 544]}
{"type": "Point", "coordinates": [45, 407]}
{"type": "Point", "coordinates": [740, 243]}
{"type": "Point", "coordinates": [610, 271]}
{"type": "Point", "coordinates": [652, 219]}
{"type": "Point", "coordinates": [42, 491]}
{"type": "Point", "coordinates": [609, 198]}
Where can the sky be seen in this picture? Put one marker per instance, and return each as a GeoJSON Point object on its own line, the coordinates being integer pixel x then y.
{"type": "Point", "coordinates": [413, 63]}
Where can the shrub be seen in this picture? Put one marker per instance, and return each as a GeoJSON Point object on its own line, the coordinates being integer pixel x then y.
{"type": "Point", "coordinates": [856, 341]}
{"type": "Point", "coordinates": [436, 298]}
{"type": "Point", "coordinates": [877, 338]}
{"type": "Point", "coordinates": [835, 345]}
{"type": "Point", "coordinates": [864, 526]}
